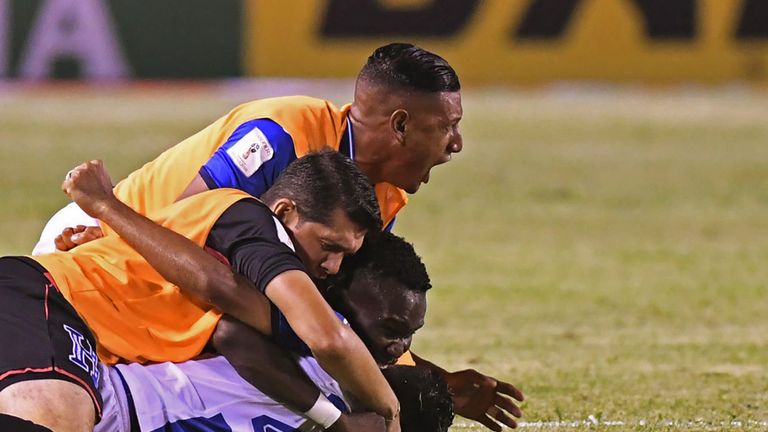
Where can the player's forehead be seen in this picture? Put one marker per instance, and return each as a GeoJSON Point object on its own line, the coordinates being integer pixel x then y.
{"type": "Point", "coordinates": [388, 299]}
{"type": "Point", "coordinates": [341, 232]}
{"type": "Point", "coordinates": [451, 105]}
{"type": "Point", "coordinates": [443, 105]}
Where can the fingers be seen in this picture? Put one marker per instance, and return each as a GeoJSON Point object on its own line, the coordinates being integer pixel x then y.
{"type": "Point", "coordinates": [86, 234]}
{"type": "Point", "coordinates": [70, 177]}
{"type": "Point", "coordinates": [490, 423]}
{"type": "Point", "coordinates": [506, 404]}
{"type": "Point", "coordinates": [93, 169]}
{"type": "Point", "coordinates": [92, 165]}
{"type": "Point", "coordinates": [63, 241]}
{"type": "Point", "coordinates": [75, 236]}
{"type": "Point", "coordinates": [495, 414]}
{"type": "Point", "coordinates": [503, 418]}
{"type": "Point", "coordinates": [510, 390]}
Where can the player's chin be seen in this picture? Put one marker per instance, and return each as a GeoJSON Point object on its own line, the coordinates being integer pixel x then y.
{"type": "Point", "coordinates": [386, 361]}
{"type": "Point", "coordinates": [412, 189]}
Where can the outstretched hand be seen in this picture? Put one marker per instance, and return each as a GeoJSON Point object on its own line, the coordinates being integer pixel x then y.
{"type": "Point", "coordinates": [484, 399]}
{"type": "Point", "coordinates": [90, 187]}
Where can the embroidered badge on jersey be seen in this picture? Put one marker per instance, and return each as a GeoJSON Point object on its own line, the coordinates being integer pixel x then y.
{"type": "Point", "coordinates": [250, 152]}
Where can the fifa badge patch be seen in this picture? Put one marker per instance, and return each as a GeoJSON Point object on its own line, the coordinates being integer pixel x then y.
{"type": "Point", "coordinates": [250, 152]}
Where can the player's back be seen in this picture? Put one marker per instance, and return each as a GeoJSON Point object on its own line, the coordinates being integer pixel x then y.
{"type": "Point", "coordinates": [208, 394]}
{"type": "Point", "coordinates": [134, 312]}
{"type": "Point", "coordinates": [310, 123]}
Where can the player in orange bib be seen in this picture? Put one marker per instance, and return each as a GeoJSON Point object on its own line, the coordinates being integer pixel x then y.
{"type": "Point", "coordinates": [145, 298]}
{"type": "Point", "coordinates": [403, 122]}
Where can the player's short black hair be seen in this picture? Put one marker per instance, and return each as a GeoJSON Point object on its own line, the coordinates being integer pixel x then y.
{"type": "Point", "coordinates": [385, 255]}
{"type": "Point", "coordinates": [425, 401]}
{"type": "Point", "coordinates": [403, 65]}
{"type": "Point", "coordinates": [323, 181]}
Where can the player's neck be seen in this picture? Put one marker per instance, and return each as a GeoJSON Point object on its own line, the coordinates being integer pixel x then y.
{"type": "Point", "coordinates": [368, 154]}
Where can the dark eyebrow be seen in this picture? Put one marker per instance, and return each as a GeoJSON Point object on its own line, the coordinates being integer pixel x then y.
{"type": "Point", "coordinates": [333, 245]}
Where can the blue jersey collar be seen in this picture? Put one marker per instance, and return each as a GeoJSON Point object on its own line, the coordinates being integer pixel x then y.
{"type": "Point", "coordinates": [347, 145]}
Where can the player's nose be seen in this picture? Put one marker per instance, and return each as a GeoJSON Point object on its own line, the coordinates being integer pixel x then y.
{"type": "Point", "coordinates": [456, 145]}
{"type": "Point", "coordinates": [333, 263]}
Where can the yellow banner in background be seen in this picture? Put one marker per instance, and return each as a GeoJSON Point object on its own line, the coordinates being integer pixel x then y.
{"type": "Point", "coordinates": [517, 41]}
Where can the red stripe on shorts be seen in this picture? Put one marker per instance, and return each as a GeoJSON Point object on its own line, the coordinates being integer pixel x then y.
{"type": "Point", "coordinates": [25, 370]}
{"type": "Point", "coordinates": [50, 279]}
{"type": "Point", "coordinates": [47, 287]}
{"type": "Point", "coordinates": [84, 385]}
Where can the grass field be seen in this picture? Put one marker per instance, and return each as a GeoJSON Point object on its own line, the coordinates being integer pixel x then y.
{"type": "Point", "coordinates": [606, 250]}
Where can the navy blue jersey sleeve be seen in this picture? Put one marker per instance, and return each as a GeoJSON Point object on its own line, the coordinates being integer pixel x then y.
{"type": "Point", "coordinates": [285, 337]}
{"type": "Point", "coordinates": [251, 159]}
{"type": "Point", "coordinates": [254, 242]}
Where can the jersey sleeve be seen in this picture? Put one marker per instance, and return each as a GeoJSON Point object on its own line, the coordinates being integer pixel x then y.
{"type": "Point", "coordinates": [251, 159]}
{"type": "Point", "coordinates": [253, 242]}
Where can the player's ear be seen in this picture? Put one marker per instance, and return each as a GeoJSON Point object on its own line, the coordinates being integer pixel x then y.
{"type": "Point", "coordinates": [398, 121]}
{"type": "Point", "coordinates": [285, 210]}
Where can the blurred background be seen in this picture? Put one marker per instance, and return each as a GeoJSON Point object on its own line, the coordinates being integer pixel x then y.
{"type": "Point", "coordinates": [602, 240]}
{"type": "Point", "coordinates": [490, 41]}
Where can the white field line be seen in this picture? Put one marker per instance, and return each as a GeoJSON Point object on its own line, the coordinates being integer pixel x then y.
{"type": "Point", "coordinates": [592, 421]}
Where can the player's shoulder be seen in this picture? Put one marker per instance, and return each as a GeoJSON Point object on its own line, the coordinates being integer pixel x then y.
{"type": "Point", "coordinates": [254, 210]}
{"type": "Point", "coordinates": [284, 105]}
{"type": "Point", "coordinates": [250, 217]}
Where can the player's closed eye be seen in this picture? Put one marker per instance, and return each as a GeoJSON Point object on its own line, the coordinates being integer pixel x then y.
{"type": "Point", "coordinates": [330, 247]}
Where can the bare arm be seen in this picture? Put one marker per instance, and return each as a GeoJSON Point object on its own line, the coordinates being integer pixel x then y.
{"type": "Point", "coordinates": [183, 263]}
{"type": "Point", "coordinates": [335, 346]}
{"type": "Point", "coordinates": [274, 371]}
{"type": "Point", "coordinates": [264, 365]}
{"type": "Point", "coordinates": [176, 258]}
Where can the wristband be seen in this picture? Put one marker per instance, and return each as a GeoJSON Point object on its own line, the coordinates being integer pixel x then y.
{"type": "Point", "coordinates": [323, 412]}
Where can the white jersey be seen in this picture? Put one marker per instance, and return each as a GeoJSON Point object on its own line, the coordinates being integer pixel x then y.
{"type": "Point", "coordinates": [197, 395]}
{"type": "Point", "coordinates": [69, 216]}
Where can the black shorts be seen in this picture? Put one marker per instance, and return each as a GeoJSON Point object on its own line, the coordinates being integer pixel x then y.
{"type": "Point", "coordinates": [41, 334]}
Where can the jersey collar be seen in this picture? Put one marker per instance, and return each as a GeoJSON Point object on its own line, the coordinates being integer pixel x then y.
{"type": "Point", "coordinates": [347, 145]}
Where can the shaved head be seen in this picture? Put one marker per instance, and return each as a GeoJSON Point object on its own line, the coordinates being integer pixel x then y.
{"type": "Point", "coordinates": [408, 67]}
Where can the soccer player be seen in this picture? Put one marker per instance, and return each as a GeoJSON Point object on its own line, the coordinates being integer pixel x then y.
{"type": "Point", "coordinates": [383, 291]}
{"type": "Point", "coordinates": [403, 121]}
{"type": "Point", "coordinates": [208, 394]}
{"type": "Point", "coordinates": [320, 207]}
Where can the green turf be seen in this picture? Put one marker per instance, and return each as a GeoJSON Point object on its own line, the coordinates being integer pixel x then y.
{"type": "Point", "coordinates": [604, 251]}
